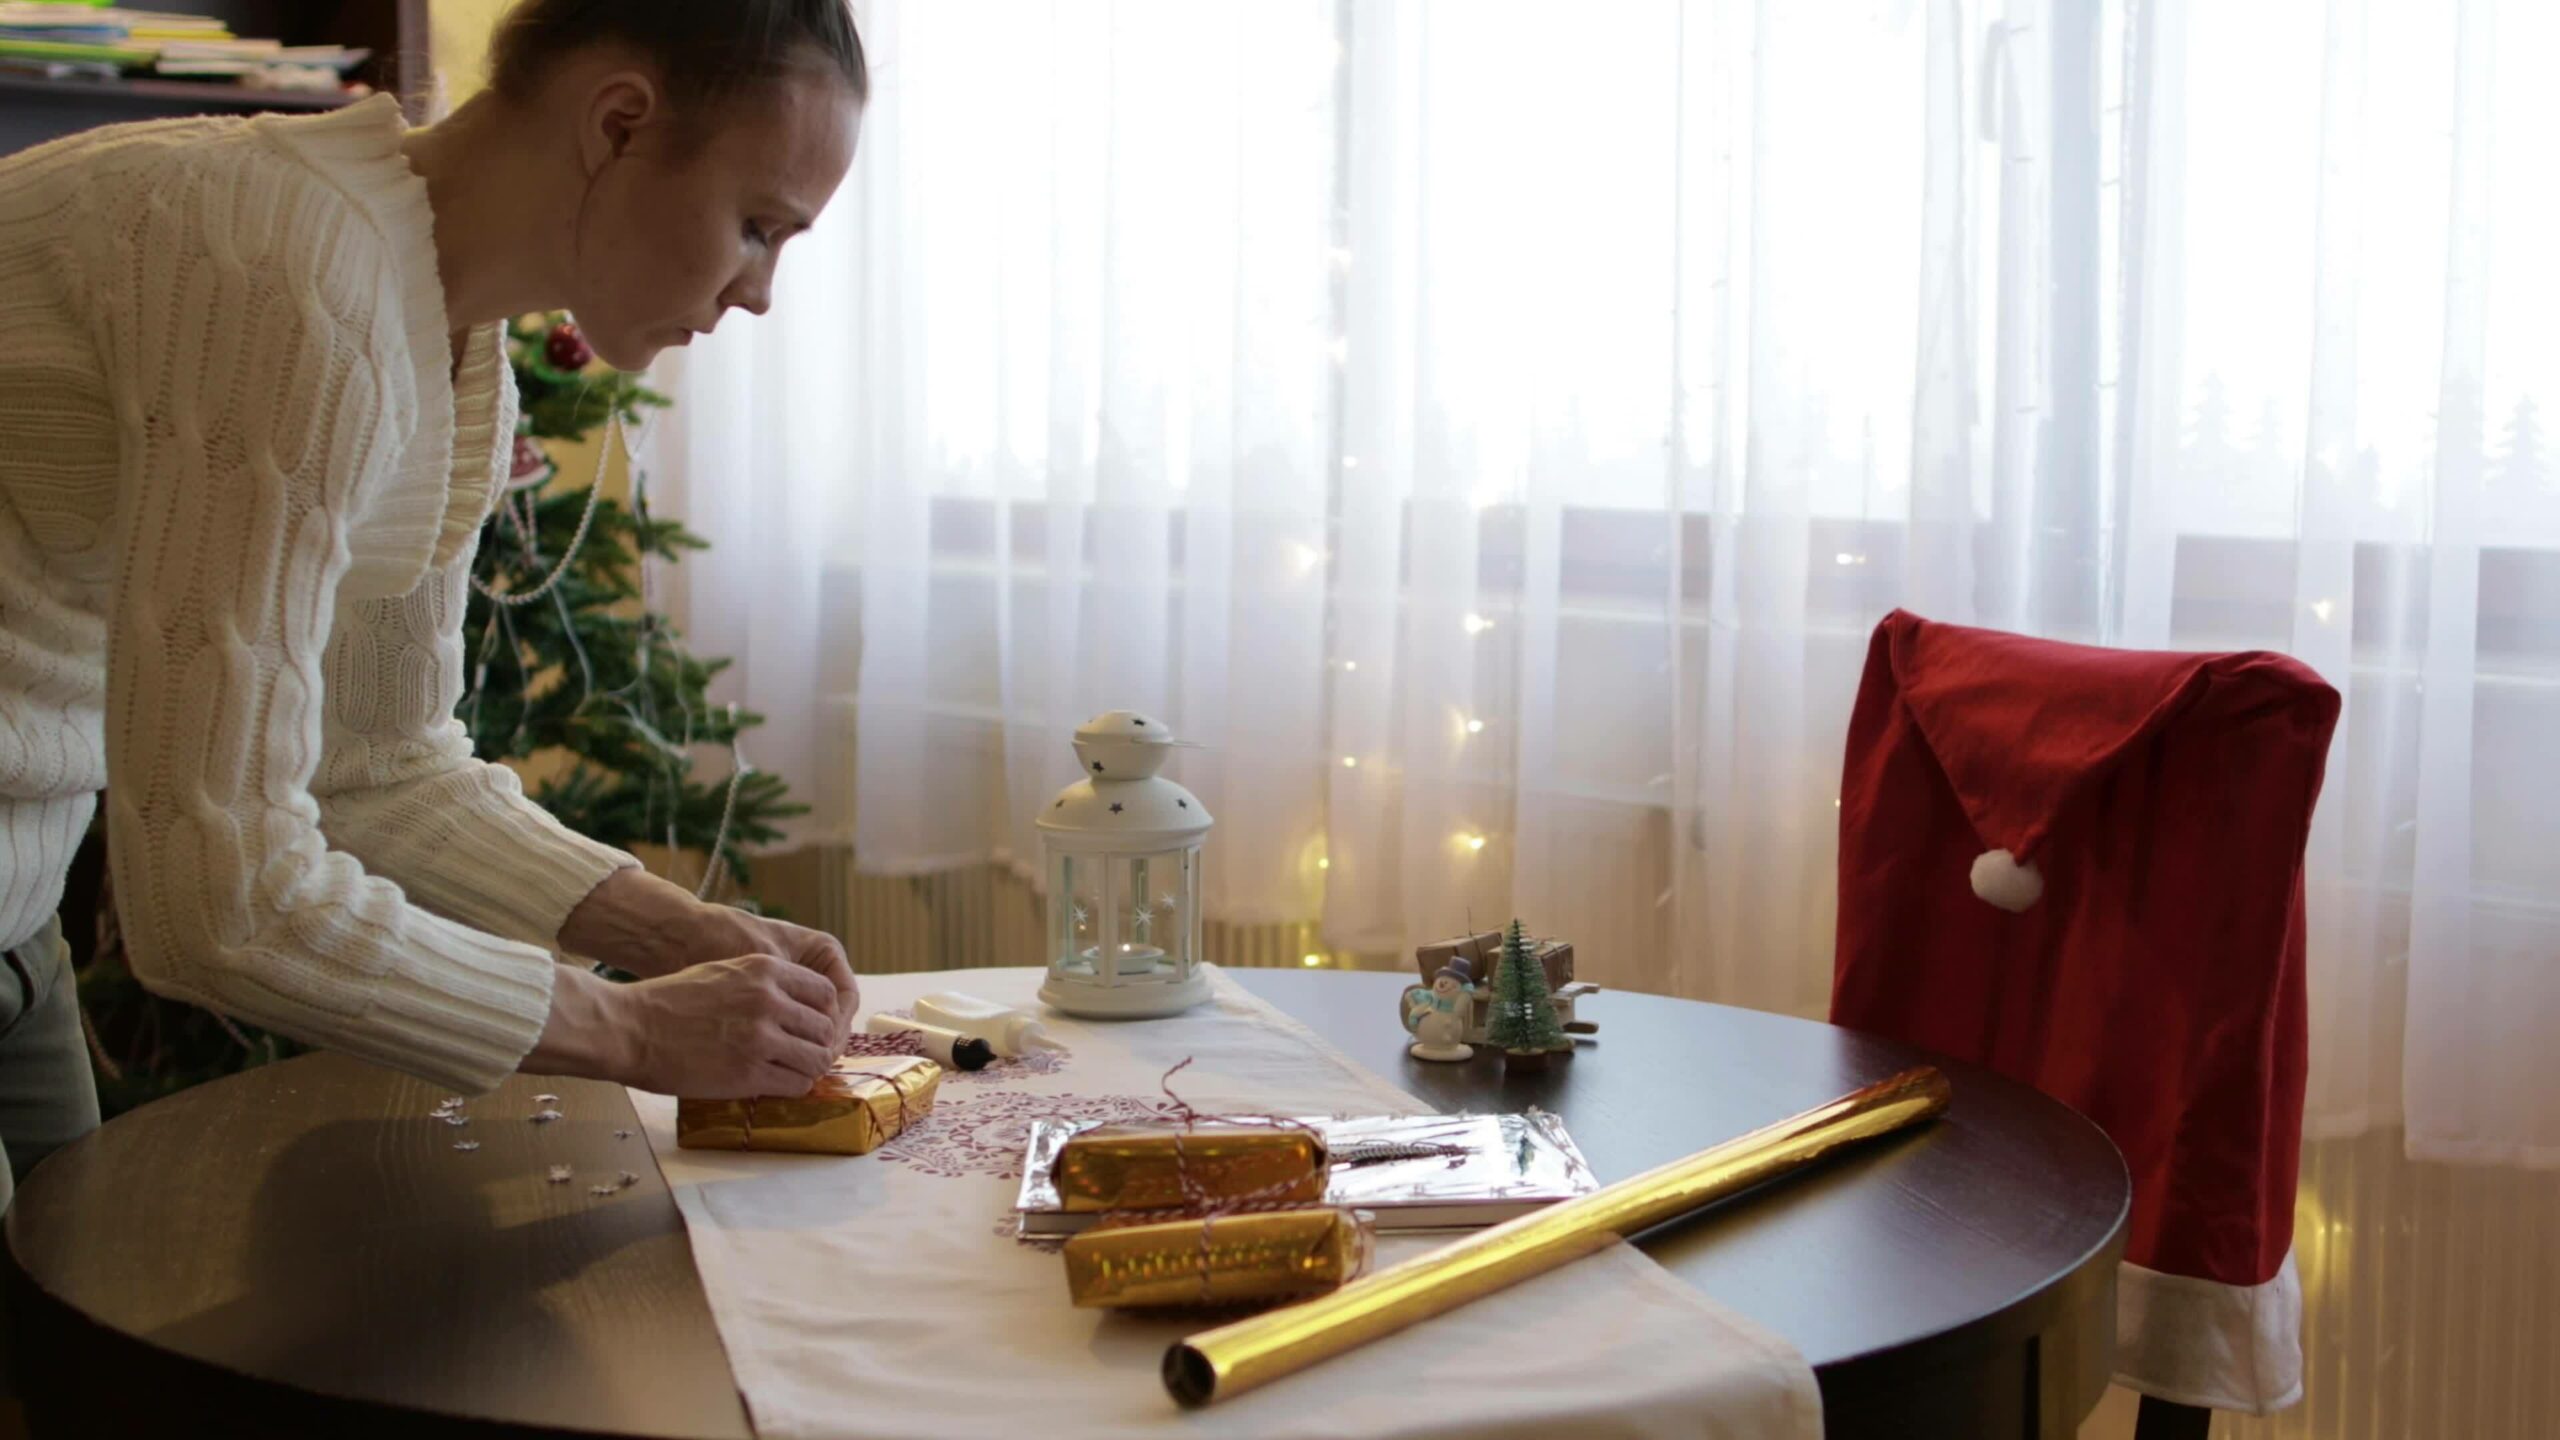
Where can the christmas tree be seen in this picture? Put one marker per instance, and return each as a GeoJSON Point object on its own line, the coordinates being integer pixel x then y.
{"type": "Point", "coordinates": [571, 670]}
{"type": "Point", "coordinates": [1524, 1014]}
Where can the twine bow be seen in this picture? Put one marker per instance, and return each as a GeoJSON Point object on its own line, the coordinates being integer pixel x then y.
{"type": "Point", "coordinates": [1196, 1199]}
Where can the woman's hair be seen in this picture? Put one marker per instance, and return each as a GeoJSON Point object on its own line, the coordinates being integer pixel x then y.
{"type": "Point", "coordinates": [708, 51]}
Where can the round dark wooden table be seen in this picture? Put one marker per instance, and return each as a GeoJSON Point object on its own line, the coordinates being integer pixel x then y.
{"type": "Point", "coordinates": [291, 1251]}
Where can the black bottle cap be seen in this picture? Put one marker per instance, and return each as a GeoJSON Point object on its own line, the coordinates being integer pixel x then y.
{"type": "Point", "coordinates": [971, 1053]}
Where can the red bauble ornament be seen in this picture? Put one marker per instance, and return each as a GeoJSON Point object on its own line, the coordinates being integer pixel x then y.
{"type": "Point", "coordinates": [529, 459]}
{"type": "Point", "coordinates": [567, 349]}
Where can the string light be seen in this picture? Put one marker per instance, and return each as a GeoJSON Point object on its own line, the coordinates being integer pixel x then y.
{"type": "Point", "coordinates": [1324, 862]}
{"type": "Point", "coordinates": [1477, 624]}
{"type": "Point", "coordinates": [1312, 961]}
{"type": "Point", "coordinates": [1350, 665]}
{"type": "Point", "coordinates": [1475, 727]}
{"type": "Point", "coordinates": [1350, 462]}
{"type": "Point", "coordinates": [1472, 842]}
{"type": "Point", "coordinates": [1350, 762]}
{"type": "Point", "coordinates": [2324, 609]}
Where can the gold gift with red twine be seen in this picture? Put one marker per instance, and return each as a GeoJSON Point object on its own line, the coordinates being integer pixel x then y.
{"type": "Point", "coordinates": [1205, 1211]}
{"type": "Point", "coordinates": [855, 1108]}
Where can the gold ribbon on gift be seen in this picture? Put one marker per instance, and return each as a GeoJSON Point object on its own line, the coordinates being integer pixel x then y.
{"type": "Point", "coordinates": [1232, 1359]}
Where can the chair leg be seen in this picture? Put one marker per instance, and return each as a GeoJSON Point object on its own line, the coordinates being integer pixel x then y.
{"type": "Point", "coordinates": [2167, 1420]}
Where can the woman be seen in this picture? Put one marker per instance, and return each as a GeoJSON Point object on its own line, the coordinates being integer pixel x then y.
{"type": "Point", "coordinates": [253, 407]}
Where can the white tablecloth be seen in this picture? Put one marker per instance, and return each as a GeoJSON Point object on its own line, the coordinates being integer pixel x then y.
{"type": "Point", "coordinates": [881, 1295]}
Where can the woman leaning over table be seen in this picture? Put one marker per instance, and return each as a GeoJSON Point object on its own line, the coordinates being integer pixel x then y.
{"type": "Point", "coordinates": [254, 404]}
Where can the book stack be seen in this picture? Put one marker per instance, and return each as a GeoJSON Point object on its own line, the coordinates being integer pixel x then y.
{"type": "Point", "coordinates": [69, 40]}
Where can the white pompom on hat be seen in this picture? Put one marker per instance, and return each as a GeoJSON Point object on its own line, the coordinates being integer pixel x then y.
{"type": "Point", "coordinates": [2001, 880]}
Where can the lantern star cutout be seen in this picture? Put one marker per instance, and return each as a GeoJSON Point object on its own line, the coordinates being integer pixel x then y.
{"type": "Point", "coordinates": [1116, 807]}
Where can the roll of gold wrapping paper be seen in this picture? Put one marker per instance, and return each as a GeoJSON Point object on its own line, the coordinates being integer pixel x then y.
{"type": "Point", "coordinates": [1232, 1359]}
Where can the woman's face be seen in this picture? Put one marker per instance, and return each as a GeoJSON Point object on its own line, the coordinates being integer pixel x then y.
{"type": "Point", "coordinates": [678, 229]}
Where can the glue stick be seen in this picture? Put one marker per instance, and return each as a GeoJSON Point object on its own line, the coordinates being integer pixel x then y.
{"type": "Point", "coordinates": [950, 1047]}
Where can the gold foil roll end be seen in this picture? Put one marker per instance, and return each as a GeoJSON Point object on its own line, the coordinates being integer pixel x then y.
{"type": "Point", "coordinates": [862, 1104]}
{"type": "Point", "coordinates": [1144, 1167]}
{"type": "Point", "coordinates": [1256, 1258]}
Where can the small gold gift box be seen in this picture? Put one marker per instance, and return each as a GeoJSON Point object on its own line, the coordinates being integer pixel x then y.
{"type": "Point", "coordinates": [1483, 953]}
{"type": "Point", "coordinates": [1145, 1167]}
{"type": "Point", "coordinates": [853, 1109]}
{"type": "Point", "coordinates": [1226, 1260]}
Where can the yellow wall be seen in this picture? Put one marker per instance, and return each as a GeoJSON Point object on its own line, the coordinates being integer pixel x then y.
{"type": "Point", "coordinates": [461, 38]}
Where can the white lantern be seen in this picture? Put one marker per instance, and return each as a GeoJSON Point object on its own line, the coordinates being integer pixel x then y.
{"type": "Point", "coordinates": [1122, 848]}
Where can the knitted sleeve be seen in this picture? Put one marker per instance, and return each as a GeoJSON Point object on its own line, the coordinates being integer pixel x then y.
{"type": "Point", "coordinates": [400, 789]}
{"type": "Point", "coordinates": [247, 321]}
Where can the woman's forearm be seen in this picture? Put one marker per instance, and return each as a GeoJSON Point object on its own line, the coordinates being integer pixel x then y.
{"type": "Point", "coordinates": [637, 922]}
{"type": "Point", "coordinates": [589, 1033]}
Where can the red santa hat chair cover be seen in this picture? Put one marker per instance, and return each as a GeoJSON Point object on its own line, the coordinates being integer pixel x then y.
{"type": "Point", "coordinates": [2083, 868]}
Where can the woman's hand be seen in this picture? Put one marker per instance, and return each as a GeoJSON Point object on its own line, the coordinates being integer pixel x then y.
{"type": "Point", "coordinates": [752, 1025]}
{"type": "Point", "coordinates": [813, 950]}
{"type": "Point", "coordinates": [640, 923]}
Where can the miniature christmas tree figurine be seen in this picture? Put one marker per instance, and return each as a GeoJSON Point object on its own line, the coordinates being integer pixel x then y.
{"type": "Point", "coordinates": [1524, 1020]}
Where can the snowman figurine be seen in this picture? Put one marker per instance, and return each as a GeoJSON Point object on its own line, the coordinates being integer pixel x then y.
{"type": "Point", "coordinates": [1439, 1018]}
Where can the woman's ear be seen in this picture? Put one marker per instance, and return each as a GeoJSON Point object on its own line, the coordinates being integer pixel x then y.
{"type": "Point", "coordinates": [622, 105]}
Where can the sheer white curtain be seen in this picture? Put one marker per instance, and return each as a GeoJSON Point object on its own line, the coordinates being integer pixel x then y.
{"type": "Point", "coordinates": [1493, 427]}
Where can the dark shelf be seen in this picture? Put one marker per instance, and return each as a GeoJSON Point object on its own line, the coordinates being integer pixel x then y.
{"type": "Point", "coordinates": [192, 92]}
{"type": "Point", "coordinates": [34, 110]}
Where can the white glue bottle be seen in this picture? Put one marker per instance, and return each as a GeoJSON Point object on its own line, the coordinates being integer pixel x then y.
{"type": "Point", "coordinates": [1011, 1031]}
{"type": "Point", "coordinates": [949, 1047]}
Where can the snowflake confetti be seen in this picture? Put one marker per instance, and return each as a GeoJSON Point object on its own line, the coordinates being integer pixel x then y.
{"type": "Point", "coordinates": [559, 1174]}
{"type": "Point", "coordinates": [546, 1099]}
{"type": "Point", "coordinates": [544, 1117]}
{"type": "Point", "coordinates": [466, 1144]}
{"type": "Point", "coordinates": [625, 1180]}
{"type": "Point", "coordinates": [602, 1191]}
{"type": "Point", "coordinates": [621, 1134]}
{"type": "Point", "coordinates": [456, 1119]}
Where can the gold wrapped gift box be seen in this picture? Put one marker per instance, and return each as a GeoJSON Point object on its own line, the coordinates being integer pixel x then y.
{"type": "Point", "coordinates": [1483, 952]}
{"type": "Point", "coordinates": [1144, 1167]}
{"type": "Point", "coordinates": [853, 1109]}
{"type": "Point", "coordinates": [1263, 1256]}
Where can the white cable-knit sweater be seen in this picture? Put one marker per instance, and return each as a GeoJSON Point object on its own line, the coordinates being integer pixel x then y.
{"type": "Point", "coordinates": [239, 489]}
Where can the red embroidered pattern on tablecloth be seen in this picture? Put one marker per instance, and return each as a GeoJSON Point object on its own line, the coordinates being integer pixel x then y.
{"type": "Point", "coordinates": [987, 1134]}
{"type": "Point", "coordinates": [1022, 1067]}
